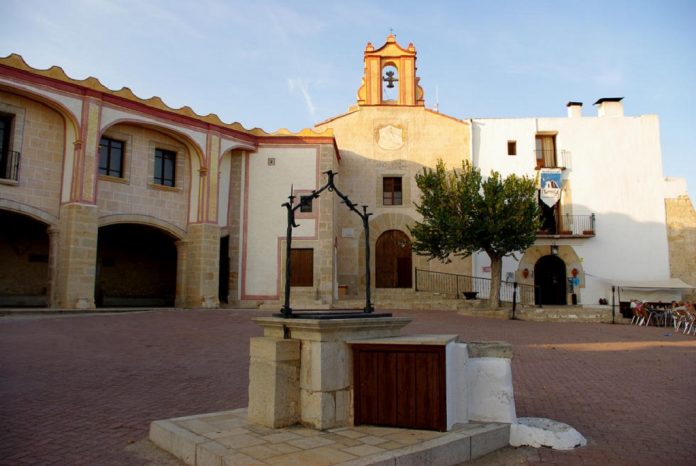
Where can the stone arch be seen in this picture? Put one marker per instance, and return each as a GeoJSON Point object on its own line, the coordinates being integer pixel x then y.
{"type": "Point", "coordinates": [29, 211]}
{"type": "Point", "coordinates": [391, 79]}
{"type": "Point", "coordinates": [533, 254]}
{"type": "Point", "coordinates": [72, 139]}
{"type": "Point", "coordinates": [71, 118]}
{"type": "Point", "coordinates": [192, 146]}
{"type": "Point", "coordinates": [136, 265]}
{"type": "Point", "coordinates": [379, 225]}
{"type": "Point", "coordinates": [393, 260]}
{"type": "Point", "coordinates": [198, 165]}
{"type": "Point", "coordinates": [550, 281]}
{"type": "Point", "coordinates": [173, 230]}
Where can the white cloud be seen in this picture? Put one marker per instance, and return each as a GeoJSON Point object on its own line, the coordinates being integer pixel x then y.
{"type": "Point", "coordinates": [303, 86]}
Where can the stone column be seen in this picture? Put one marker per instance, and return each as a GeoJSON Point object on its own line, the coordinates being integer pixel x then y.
{"type": "Point", "coordinates": [77, 256]}
{"type": "Point", "coordinates": [327, 233]}
{"type": "Point", "coordinates": [274, 381]}
{"type": "Point", "coordinates": [53, 261]}
{"type": "Point", "coordinates": [202, 265]}
{"type": "Point", "coordinates": [181, 261]}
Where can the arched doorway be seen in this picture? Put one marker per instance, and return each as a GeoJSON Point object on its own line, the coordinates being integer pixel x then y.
{"type": "Point", "coordinates": [24, 261]}
{"type": "Point", "coordinates": [136, 266]}
{"type": "Point", "coordinates": [550, 280]}
{"type": "Point", "coordinates": [393, 260]}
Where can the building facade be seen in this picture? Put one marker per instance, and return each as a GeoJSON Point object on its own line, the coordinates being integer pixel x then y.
{"type": "Point", "coordinates": [107, 199]}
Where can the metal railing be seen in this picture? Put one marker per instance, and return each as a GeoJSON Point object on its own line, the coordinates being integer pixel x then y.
{"type": "Point", "coordinates": [9, 165]}
{"type": "Point", "coordinates": [573, 225]}
{"type": "Point", "coordinates": [456, 285]}
{"type": "Point", "coordinates": [550, 158]}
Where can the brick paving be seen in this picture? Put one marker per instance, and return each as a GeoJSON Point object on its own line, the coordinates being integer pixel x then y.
{"type": "Point", "coordinates": [83, 389]}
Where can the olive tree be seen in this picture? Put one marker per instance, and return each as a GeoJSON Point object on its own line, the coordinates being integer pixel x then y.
{"type": "Point", "coordinates": [464, 212]}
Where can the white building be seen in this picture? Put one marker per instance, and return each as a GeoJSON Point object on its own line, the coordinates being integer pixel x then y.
{"type": "Point", "coordinates": [610, 221]}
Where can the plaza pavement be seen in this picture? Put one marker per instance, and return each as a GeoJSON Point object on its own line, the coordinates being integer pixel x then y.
{"type": "Point", "coordinates": [82, 390]}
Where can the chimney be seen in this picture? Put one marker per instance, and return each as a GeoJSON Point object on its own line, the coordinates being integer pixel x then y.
{"type": "Point", "coordinates": [610, 107]}
{"type": "Point", "coordinates": [574, 109]}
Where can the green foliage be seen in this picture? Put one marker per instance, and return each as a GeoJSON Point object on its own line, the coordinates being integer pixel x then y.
{"type": "Point", "coordinates": [464, 213]}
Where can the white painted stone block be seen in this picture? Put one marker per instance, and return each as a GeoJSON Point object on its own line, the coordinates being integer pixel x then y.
{"type": "Point", "coordinates": [457, 387]}
{"type": "Point", "coordinates": [540, 432]}
{"type": "Point", "coordinates": [491, 396]}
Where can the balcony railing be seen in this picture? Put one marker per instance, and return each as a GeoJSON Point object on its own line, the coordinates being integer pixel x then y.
{"type": "Point", "coordinates": [550, 158]}
{"type": "Point", "coordinates": [9, 165]}
{"type": "Point", "coordinates": [581, 226]}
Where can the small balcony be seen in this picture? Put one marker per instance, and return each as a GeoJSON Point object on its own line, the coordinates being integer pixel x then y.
{"type": "Point", "coordinates": [9, 166]}
{"type": "Point", "coordinates": [550, 158]}
{"type": "Point", "coordinates": [568, 226]}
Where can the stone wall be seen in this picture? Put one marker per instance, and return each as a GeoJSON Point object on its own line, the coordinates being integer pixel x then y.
{"type": "Point", "coordinates": [135, 192]}
{"type": "Point", "coordinates": [681, 233]}
{"type": "Point", "coordinates": [389, 141]}
{"type": "Point", "coordinates": [38, 134]}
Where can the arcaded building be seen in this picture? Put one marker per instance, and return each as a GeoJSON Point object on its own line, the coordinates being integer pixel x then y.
{"type": "Point", "coordinates": [108, 199]}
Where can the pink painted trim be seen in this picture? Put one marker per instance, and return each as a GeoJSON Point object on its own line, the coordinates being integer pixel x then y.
{"type": "Point", "coordinates": [62, 164]}
{"type": "Point", "coordinates": [80, 175]}
{"type": "Point", "coordinates": [95, 189]}
{"type": "Point", "coordinates": [314, 214]}
{"type": "Point", "coordinates": [245, 228]}
{"type": "Point", "coordinates": [173, 133]}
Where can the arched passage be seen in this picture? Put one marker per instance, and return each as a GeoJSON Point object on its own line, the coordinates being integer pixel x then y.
{"type": "Point", "coordinates": [136, 266]}
{"type": "Point", "coordinates": [24, 249]}
{"type": "Point", "coordinates": [550, 280]}
{"type": "Point", "coordinates": [393, 260]}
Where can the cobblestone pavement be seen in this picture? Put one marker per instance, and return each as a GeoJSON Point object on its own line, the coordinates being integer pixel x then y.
{"type": "Point", "coordinates": [82, 390]}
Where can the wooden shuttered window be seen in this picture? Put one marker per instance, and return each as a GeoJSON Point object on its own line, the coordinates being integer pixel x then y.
{"type": "Point", "coordinates": [302, 267]}
{"type": "Point", "coordinates": [392, 193]}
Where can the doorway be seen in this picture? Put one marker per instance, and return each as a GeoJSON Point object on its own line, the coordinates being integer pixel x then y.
{"type": "Point", "coordinates": [24, 249]}
{"type": "Point", "coordinates": [550, 281]}
{"type": "Point", "coordinates": [136, 266]}
{"type": "Point", "coordinates": [393, 263]}
{"type": "Point", "coordinates": [224, 275]}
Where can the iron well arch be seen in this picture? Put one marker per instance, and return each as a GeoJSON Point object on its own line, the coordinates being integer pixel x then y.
{"type": "Point", "coordinates": [286, 310]}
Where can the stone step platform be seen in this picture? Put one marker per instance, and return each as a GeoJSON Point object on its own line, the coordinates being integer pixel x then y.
{"type": "Point", "coordinates": [226, 438]}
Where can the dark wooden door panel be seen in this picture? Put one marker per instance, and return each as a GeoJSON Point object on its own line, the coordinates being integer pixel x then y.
{"type": "Point", "coordinates": [400, 386]}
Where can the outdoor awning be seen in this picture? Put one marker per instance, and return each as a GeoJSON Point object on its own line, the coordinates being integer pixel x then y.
{"type": "Point", "coordinates": [667, 284]}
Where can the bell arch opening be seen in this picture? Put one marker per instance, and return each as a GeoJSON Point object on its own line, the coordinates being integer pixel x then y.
{"type": "Point", "coordinates": [390, 83]}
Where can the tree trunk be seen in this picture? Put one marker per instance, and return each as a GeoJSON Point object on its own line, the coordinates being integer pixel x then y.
{"type": "Point", "coordinates": [496, 273]}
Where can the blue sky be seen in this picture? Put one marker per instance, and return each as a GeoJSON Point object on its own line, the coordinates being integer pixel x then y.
{"type": "Point", "coordinates": [292, 64]}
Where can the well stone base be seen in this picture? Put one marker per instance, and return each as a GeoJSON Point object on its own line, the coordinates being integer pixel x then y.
{"type": "Point", "coordinates": [320, 396]}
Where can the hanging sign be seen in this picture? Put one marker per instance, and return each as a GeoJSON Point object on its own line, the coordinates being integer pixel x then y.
{"type": "Point", "coordinates": [550, 186]}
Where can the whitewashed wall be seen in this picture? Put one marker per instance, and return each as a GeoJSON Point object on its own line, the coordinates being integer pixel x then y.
{"type": "Point", "coordinates": [268, 187]}
{"type": "Point", "coordinates": [614, 166]}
